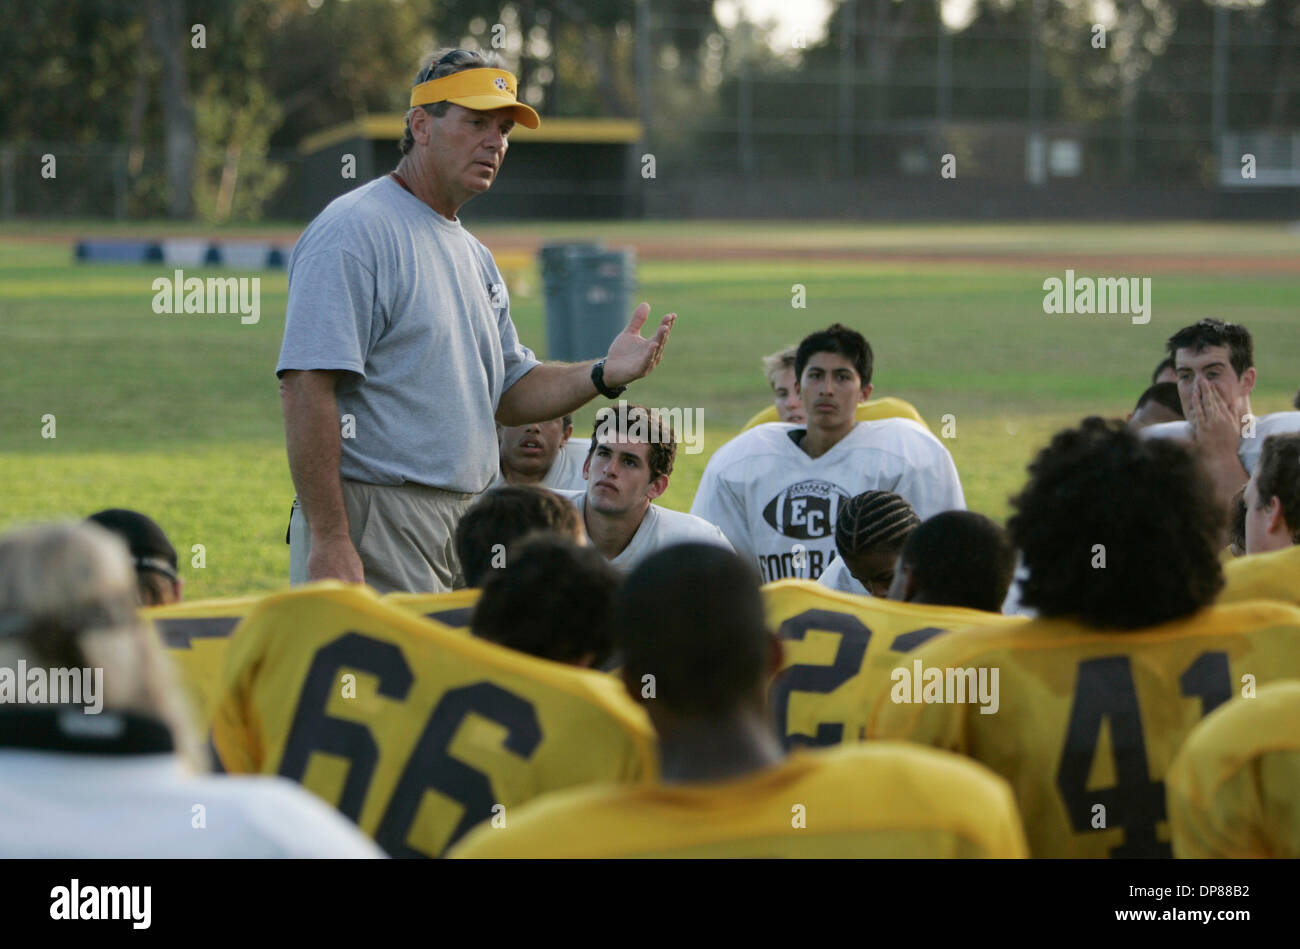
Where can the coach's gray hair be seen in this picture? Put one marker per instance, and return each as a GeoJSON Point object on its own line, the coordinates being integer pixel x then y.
{"type": "Point", "coordinates": [468, 59]}
{"type": "Point", "coordinates": [68, 599]}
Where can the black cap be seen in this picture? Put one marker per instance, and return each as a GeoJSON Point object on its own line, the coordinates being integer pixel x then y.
{"type": "Point", "coordinates": [149, 546]}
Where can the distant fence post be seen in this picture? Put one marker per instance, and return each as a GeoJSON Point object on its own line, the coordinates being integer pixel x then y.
{"type": "Point", "coordinates": [7, 206]}
{"type": "Point", "coordinates": [1219, 76]}
{"type": "Point", "coordinates": [121, 182]}
{"type": "Point", "coordinates": [848, 41]}
{"type": "Point", "coordinates": [943, 79]}
{"type": "Point", "coordinates": [745, 121]}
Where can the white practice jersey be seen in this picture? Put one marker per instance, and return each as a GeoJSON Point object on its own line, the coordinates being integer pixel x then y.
{"type": "Point", "coordinates": [566, 469]}
{"type": "Point", "coordinates": [837, 577]}
{"type": "Point", "coordinates": [778, 505]}
{"type": "Point", "coordinates": [659, 528]}
{"type": "Point", "coordinates": [1279, 423]}
{"type": "Point", "coordinates": [120, 806]}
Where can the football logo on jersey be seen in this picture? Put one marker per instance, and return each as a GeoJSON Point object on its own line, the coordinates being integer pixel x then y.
{"type": "Point", "coordinates": [806, 510]}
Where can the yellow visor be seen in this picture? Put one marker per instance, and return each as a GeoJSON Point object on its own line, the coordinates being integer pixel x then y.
{"type": "Point", "coordinates": [480, 89]}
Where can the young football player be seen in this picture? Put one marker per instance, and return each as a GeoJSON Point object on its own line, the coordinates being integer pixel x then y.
{"type": "Point", "coordinates": [869, 533]}
{"type": "Point", "coordinates": [1272, 496]}
{"type": "Point", "coordinates": [414, 731]}
{"type": "Point", "coordinates": [1236, 529]}
{"type": "Point", "coordinates": [700, 666]}
{"type": "Point", "coordinates": [541, 453]}
{"type": "Point", "coordinates": [779, 369]}
{"type": "Point", "coordinates": [502, 516]}
{"type": "Point", "coordinates": [628, 463]}
{"type": "Point", "coordinates": [195, 635]}
{"type": "Point", "coordinates": [841, 652]}
{"type": "Point", "coordinates": [103, 763]}
{"type": "Point", "coordinates": [496, 520]}
{"type": "Point", "coordinates": [152, 554]}
{"type": "Point", "coordinates": [1158, 404]}
{"type": "Point", "coordinates": [1271, 506]}
{"type": "Point", "coordinates": [1232, 788]}
{"type": "Point", "coordinates": [787, 407]}
{"type": "Point", "coordinates": [957, 558]}
{"type": "Point", "coordinates": [1165, 372]}
{"type": "Point", "coordinates": [1095, 696]}
{"type": "Point", "coordinates": [529, 605]}
{"type": "Point", "coordinates": [776, 488]}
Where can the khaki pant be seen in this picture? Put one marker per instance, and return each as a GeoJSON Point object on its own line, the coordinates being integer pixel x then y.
{"type": "Point", "coordinates": [404, 535]}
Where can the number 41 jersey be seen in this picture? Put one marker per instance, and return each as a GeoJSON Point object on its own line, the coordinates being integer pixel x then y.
{"type": "Point", "coordinates": [415, 732]}
{"type": "Point", "coordinates": [1089, 721]}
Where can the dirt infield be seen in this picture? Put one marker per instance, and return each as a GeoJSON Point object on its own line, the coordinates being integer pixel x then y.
{"type": "Point", "coordinates": [1184, 262]}
{"type": "Point", "coordinates": [981, 247]}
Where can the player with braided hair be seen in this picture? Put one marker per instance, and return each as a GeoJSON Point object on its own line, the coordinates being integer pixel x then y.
{"type": "Point", "coordinates": [869, 534]}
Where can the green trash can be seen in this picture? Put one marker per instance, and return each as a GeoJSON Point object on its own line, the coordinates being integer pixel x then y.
{"type": "Point", "coordinates": [588, 292]}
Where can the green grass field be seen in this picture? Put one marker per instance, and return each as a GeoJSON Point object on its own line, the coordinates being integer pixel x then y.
{"type": "Point", "coordinates": [179, 415]}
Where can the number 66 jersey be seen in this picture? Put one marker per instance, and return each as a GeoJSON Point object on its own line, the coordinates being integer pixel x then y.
{"type": "Point", "coordinates": [415, 732]}
{"type": "Point", "coordinates": [1088, 721]}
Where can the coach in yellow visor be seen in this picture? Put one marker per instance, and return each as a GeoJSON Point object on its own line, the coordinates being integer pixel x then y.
{"type": "Point", "coordinates": [399, 324]}
{"type": "Point", "coordinates": [481, 89]}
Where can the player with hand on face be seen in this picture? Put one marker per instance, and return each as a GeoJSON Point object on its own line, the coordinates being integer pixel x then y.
{"type": "Point", "coordinates": [700, 666]}
{"type": "Point", "coordinates": [1215, 363]}
{"type": "Point", "coordinates": [541, 453]}
{"type": "Point", "coordinates": [869, 533]}
{"type": "Point", "coordinates": [628, 464]}
{"type": "Point", "coordinates": [776, 490]}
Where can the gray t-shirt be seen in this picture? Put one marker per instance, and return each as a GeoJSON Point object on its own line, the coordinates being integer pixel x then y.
{"type": "Point", "coordinates": [415, 309]}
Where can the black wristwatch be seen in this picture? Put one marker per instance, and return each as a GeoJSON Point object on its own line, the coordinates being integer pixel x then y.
{"type": "Point", "coordinates": [598, 380]}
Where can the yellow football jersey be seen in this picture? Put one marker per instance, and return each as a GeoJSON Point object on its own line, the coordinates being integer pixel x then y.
{"type": "Point", "coordinates": [453, 609]}
{"type": "Point", "coordinates": [1085, 723]}
{"type": "Point", "coordinates": [884, 799]}
{"type": "Point", "coordinates": [414, 731]}
{"type": "Point", "coordinates": [1271, 576]}
{"type": "Point", "coordinates": [195, 636]}
{"type": "Point", "coordinates": [1234, 789]}
{"type": "Point", "coordinates": [840, 650]}
{"type": "Point", "coordinates": [869, 411]}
